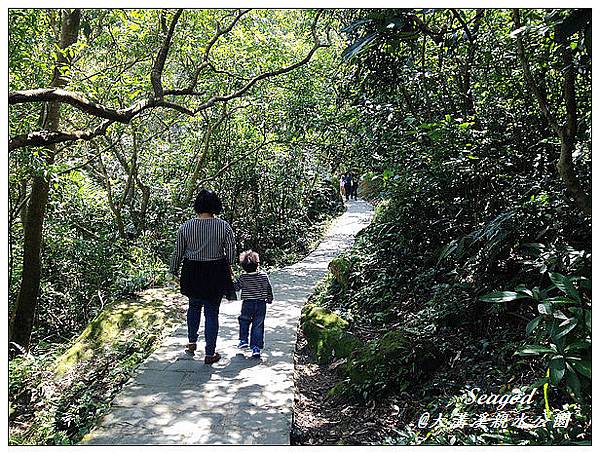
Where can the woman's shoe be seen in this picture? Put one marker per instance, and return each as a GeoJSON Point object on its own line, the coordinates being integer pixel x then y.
{"type": "Point", "coordinates": [209, 359]}
{"type": "Point", "coordinates": [190, 348]}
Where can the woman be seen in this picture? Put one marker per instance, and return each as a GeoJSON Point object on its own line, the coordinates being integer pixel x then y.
{"type": "Point", "coordinates": [206, 245]}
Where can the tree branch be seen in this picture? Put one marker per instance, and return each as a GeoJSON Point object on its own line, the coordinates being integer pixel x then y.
{"type": "Point", "coordinates": [161, 58]}
{"type": "Point", "coordinates": [266, 75]}
{"type": "Point", "coordinates": [533, 86]}
{"type": "Point", "coordinates": [111, 115]}
{"type": "Point", "coordinates": [190, 89]}
{"type": "Point", "coordinates": [44, 137]}
{"type": "Point", "coordinates": [76, 100]}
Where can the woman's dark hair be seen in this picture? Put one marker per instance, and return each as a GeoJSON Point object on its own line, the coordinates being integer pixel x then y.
{"type": "Point", "coordinates": [249, 261]}
{"type": "Point", "coordinates": [208, 201]}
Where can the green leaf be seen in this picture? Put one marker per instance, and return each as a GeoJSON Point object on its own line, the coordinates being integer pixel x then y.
{"type": "Point", "coordinates": [578, 345]}
{"type": "Point", "coordinates": [588, 319]}
{"type": "Point", "coordinates": [557, 371]}
{"type": "Point", "coordinates": [354, 25]}
{"type": "Point", "coordinates": [561, 316]}
{"type": "Point", "coordinates": [560, 300]}
{"type": "Point", "coordinates": [545, 308]}
{"type": "Point", "coordinates": [557, 363]}
{"type": "Point", "coordinates": [466, 125]}
{"type": "Point", "coordinates": [573, 381]}
{"type": "Point", "coordinates": [584, 367]}
{"type": "Point", "coordinates": [556, 376]}
{"type": "Point", "coordinates": [567, 329]}
{"type": "Point", "coordinates": [359, 46]}
{"type": "Point", "coordinates": [534, 350]}
{"type": "Point", "coordinates": [502, 297]}
{"type": "Point", "coordinates": [564, 284]}
{"type": "Point", "coordinates": [586, 283]}
{"type": "Point", "coordinates": [533, 324]}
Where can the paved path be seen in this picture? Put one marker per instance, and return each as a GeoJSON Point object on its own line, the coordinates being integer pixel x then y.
{"type": "Point", "coordinates": [177, 399]}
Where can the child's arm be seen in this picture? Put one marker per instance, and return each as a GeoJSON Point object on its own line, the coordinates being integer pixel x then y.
{"type": "Point", "coordinates": [269, 290]}
{"type": "Point", "coordinates": [237, 284]}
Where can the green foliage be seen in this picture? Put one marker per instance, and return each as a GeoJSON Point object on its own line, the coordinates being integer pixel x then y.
{"type": "Point", "coordinates": [562, 331]}
{"type": "Point", "coordinates": [468, 201]}
{"type": "Point", "coordinates": [393, 363]}
{"type": "Point", "coordinates": [56, 398]}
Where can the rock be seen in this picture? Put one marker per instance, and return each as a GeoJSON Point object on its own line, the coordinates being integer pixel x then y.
{"type": "Point", "coordinates": [326, 334]}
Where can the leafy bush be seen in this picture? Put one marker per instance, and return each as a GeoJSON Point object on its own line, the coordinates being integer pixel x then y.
{"type": "Point", "coordinates": [394, 363]}
{"type": "Point", "coordinates": [562, 331]}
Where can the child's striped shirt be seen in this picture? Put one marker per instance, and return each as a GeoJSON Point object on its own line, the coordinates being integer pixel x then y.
{"type": "Point", "coordinates": [255, 286]}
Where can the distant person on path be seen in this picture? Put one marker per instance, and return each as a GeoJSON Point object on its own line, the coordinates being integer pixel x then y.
{"type": "Point", "coordinates": [256, 294]}
{"type": "Point", "coordinates": [355, 188]}
{"type": "Point", "coordinates": [347, 185]}
{"type": "Point", "coordinates": [342, 182]}
{"type": "Point", "coordinates": [206, 245]}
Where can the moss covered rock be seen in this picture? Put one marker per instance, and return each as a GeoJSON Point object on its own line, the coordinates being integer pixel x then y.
{"type": "Point", "coordinates": [326, 334]}
{"type": "Point", "coordinates": [395, 361]}
{"type": "Point", "coordinates": [147, 316]}
{"type": "Point", "coordinates": [80, 383]}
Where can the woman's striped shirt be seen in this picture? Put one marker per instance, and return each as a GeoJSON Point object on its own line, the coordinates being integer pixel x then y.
{"type": "Point", "coordinates": [255, 286]}
{"type": "Point", "coordinates": [203, 240]}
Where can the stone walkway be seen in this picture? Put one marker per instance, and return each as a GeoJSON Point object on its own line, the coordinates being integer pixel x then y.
{"type": "Point", "coordinates": [177, 399]}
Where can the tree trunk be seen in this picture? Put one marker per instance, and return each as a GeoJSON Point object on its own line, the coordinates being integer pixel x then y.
{"type": "Point", "coordinates": [567, 132]}
{"type": "Point", "coordinates": [115, 206]}
{"type": "Point", "coordinates": [465, 83]}
{"type": "Point", "coordinates": [21, 324]}
{"type": "Point", "coordinates": [568, 135]}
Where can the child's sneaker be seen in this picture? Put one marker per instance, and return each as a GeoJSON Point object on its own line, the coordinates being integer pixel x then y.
{"type": "Point", "coordinates": [255, 352]}
{"type": "Point", "coordinates": [243, 344]}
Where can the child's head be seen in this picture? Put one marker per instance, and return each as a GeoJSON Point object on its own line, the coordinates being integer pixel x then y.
{"type": "Point", "coordinates": [249, 261]}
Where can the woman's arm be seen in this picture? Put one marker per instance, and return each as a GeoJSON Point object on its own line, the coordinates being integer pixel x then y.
{"type": "Point", "coordinates": [229, 247]}
{"type": "Point", "coordinates": [177, 256]}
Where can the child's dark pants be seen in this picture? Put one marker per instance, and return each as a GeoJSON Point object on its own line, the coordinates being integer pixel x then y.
{"type": "Point", "coordinates": [253, 313]}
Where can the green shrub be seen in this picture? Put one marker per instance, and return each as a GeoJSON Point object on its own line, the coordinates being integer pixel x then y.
{"type": "Point", "coordinates": [393, 363]}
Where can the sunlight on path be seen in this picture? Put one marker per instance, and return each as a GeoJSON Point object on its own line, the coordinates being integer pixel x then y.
{"type": "Point", "coordinates": [177, 399]}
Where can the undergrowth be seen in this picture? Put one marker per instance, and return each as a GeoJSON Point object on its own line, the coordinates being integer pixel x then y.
{"type": "Point", "coordinates": [56, 397]}
{"type": "Point", "coordinates": [438, 303]}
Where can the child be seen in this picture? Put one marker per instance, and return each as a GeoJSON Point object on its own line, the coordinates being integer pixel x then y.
{"type": "Point", "coordinates": [256, 293]}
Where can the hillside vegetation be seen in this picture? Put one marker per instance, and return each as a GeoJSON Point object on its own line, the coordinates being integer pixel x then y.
{"type": "Point", "coordinates": [476, 272]}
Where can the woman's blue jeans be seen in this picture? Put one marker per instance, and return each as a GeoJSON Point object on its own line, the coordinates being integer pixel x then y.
{"type": "Point", "coordinates": [253, 313]}
{"type": "Point", "coordinates": [211, 322]}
